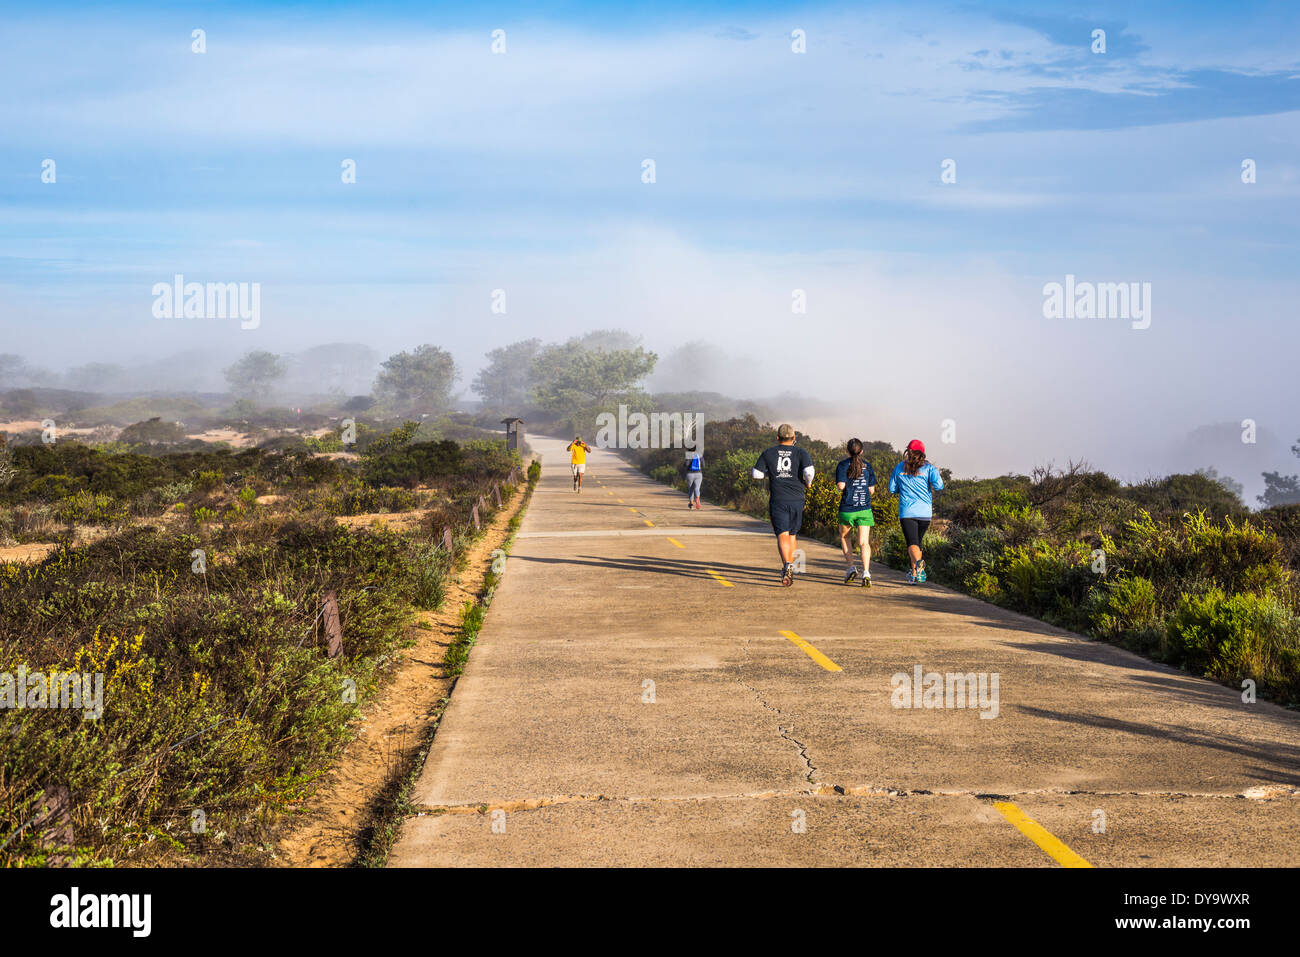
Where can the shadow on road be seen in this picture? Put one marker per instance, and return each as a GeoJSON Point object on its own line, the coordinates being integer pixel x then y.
{"type": "Point", "coordinates": [1285, 754]}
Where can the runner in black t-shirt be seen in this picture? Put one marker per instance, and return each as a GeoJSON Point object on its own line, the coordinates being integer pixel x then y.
{"type": "Point", "coordinates": [789, 471]}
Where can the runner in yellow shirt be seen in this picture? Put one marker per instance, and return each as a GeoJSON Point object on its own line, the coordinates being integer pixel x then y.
{"type": "Point", "coordinates": [578, 450]}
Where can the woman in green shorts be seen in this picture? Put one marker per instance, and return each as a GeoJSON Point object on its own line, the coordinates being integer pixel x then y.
{"type": "Point", "coordinates": [856, 481]}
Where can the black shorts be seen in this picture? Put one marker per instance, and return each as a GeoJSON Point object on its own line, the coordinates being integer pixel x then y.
{"type": "Point", "coordinates": [786, 516]}
{"type": "Point", "coordinates": [914, 530]}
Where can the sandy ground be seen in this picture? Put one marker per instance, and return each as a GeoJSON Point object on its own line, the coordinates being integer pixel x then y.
{"type": "Point", "coordinates": [20, 425]}
{"type": "Point", "coordinates": [330, 832]}
{"type": "Point", "coordinates": [397, 521]}
{"type": "Point", "coordinates": [26, 553]}
{"type": "Point", "coordinates": [28, 425]}
{"type": "Point", "coordinates": [236, 439]}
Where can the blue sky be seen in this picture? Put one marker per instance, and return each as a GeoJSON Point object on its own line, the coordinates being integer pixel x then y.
{"type": "Point", "coordinates": [775, 171]}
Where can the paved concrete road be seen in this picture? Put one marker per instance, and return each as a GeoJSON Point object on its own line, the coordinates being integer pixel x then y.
{"type": "Point", "coordinates": [748, 748]}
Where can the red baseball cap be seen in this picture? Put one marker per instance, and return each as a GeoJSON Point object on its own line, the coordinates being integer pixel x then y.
{"type": "Point", "coordinates": [916, 445]}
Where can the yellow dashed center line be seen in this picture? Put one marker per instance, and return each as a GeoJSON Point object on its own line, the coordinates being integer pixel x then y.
{"type": "Point", "coordinates": [812, 652]}
{"type": "Point", "coordinates": [620, 501]}
{"type": "Point", "coordinates": [648, 522]}
{"type": "Point", "coordinates": [1044, 838]}
{"type": "Point", "coordinates": [719, 578]}
{"type": "Point", "coordinates": [676, 542]}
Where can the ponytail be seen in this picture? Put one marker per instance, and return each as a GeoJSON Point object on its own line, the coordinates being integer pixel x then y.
{"type": "Point", "coordinates": [855, 459]}
{"type": "Point", "coordinates": [913, 459]}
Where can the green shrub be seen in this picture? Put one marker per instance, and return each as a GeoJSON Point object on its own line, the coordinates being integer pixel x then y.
{"type": "Point", "coordinates": [90, 508]}
{"type": "Point", "coordinates": [1051, 581]}
{"type": "Point", "coordinates": [175, 491]}
{"type": "Point", "coordinates": [666, 474]}
{"type": "Point", "coordinates": [51, 488]}
{"type": "Point", "coordinates": [728, 476]}
{"type": "Point", "coordinates": [973, 554]}
{"type": "Point", "coordinates": [963, 498]}
{"type": "Point", "coordinates": [471, 621]}
{"type": "Point", "coordinates": [1199, 552]}
{"type": "Point", "coordinates": [153, 431]}
{"type": "Point", "coordinates": [432, 566]}
{"type": "Point", "coordinates": [821, 509]}
{"type": "Point", "coordinates": [1012, 514]}
{"type": "Point", "coordinates": [983, 584]}
{"type": "Point", "coordinates": [410, 465]}
{"type": "Point", "coordinates": [329, 442]}
{"type": "Point", "coordinates": [1284, 521]}
{"type": "Point", "coordinates": [1233, 636]}
{"type": "Point", "coordinates": [208, 481]}
{"type": "Point", "coordinates": [1180, 494]}
{"type": "Point", "coordinates": [1125, 605]}
{"type": "Point", "coordinates": [364, 500]}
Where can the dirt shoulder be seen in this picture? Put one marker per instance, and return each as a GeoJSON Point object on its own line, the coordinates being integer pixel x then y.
{"type": "Point", "coordinates": [33, 552]}
{"type": "Point", "coordinates": [393, 730]}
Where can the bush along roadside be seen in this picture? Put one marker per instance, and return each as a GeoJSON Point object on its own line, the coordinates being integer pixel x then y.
{"type": "Point", "coordinates": [1175, 569]}
{"type": "Point", "coordinates": [225, 663]}
{"type": "Point", "coordinates": [385, 829]}
{"type": "Point", "coordinates": [471, 613]}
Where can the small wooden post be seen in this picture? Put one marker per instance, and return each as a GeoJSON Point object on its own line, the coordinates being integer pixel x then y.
{"type": "Point", "coordinates": [446, 537]}
{"type": "Point", "coordinates": [473, 514]}
{"type": "Point", "coordinates": [496, 490]}
{"type": "Point", "coordinates": [333, 628]}
{"type": "Point", "coordinates": [55, 820]}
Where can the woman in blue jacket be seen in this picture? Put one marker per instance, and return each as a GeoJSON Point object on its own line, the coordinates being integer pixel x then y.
{"type": "Point", "coordinates": [913, 480]}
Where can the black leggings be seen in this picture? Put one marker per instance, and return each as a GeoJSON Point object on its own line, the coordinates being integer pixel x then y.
{"type": "Point", "coordinates": [914, 530]}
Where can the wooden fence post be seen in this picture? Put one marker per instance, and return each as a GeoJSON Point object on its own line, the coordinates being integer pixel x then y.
{"type": "Point", "coordinates": [473, 514]}
{"type": "Point", "coordinates": [55, 820]}
{"type": "Point", "coordinates": [446, 537]}
{"type": "Point", "coordinates": [333, 628]}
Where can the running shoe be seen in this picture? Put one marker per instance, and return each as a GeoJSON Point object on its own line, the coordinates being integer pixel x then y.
{"type": "Point", "coordinates": [851, 574]}
{"type": "Point", "coordinates": [866, 580]}
{"type": "Point", "coordinates": [787, 576]}
{"type": "Point", "coordinates": [911, 579]}
{"type": "Point", "coordinates": [920, 570]}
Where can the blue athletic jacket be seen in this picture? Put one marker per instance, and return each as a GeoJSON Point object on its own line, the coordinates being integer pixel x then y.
{"type": "Point", "coordinates": [913, 491]}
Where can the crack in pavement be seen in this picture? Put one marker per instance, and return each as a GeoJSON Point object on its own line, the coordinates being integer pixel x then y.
{"type": "Point", "coordinates": [1257, 793]}
{"type": "Point", "coordinates": [786, 733]}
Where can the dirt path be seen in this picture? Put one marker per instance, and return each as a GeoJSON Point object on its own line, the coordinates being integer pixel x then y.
{"type": "Point", "coordinates": [393, 727]}
{"type": "Point", "coordinates": [34, 552]}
